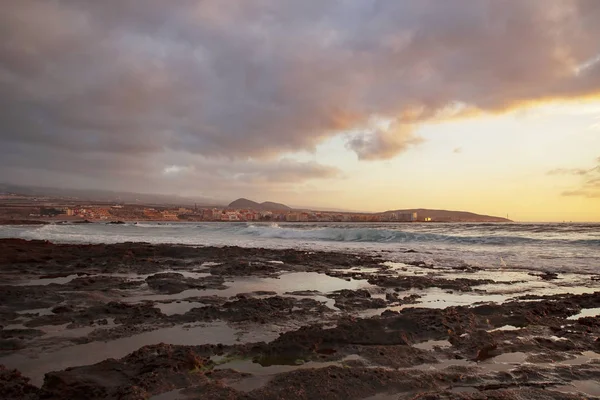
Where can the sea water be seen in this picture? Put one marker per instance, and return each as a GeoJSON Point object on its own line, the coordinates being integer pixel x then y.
{"type": "Point", "coordinates": [565, 247]}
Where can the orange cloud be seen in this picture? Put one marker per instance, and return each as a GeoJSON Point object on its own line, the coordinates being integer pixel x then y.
{"type": "Point", "coordinates": [263, 79]}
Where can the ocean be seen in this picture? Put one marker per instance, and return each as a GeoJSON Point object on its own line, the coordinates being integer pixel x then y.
{"type": "Point", "coordinates": [564, 247]}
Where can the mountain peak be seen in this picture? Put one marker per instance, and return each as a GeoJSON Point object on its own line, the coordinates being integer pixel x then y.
{"type": "Point", "coordinates": [253, 205]}
{"type": "Point", "coordinates": [450, 216]}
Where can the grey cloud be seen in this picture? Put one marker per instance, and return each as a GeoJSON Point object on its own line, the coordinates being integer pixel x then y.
{"type": "Point", "coordinates": [121, 82]}
{"type": "Point", "coordinates": [252, 178]}
{"type": "Point", "coordinates": [278, 172]}
{"type": "Point", "coordinates": [570, 171]}
{"type": "Point", "coordinates": [168, 172]}
{"type": "Point", "coordinates": [590, 187]}
{"type": "Point", "coordinates": [287, 171]}
{"type": "Point", "coordinates": [383, 144]}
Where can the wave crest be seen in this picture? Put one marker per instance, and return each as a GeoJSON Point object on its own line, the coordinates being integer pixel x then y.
{"type": "Point", "coordinates": [382, 235]}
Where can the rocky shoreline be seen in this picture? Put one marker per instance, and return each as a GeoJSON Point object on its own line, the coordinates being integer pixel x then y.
{"type": "Point", "coordinates": [140, 321]}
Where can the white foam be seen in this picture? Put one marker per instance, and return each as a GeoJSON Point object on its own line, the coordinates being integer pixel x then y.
{"type": "Point", "coordinates": [553, 247]}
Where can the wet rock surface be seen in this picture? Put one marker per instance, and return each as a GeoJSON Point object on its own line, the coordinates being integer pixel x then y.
{"type": "Point", "coordinates": [356, 300]}
{"type": "Point", "coordinates": [14, 386]}
{"type": "Point", "coordinates": [173, 282]}
{"type": "Point", "coordinates": [286, 324]}
{"type": "Point", "coordinates": [247, 268]}
{"type": "Point", "coordinates": [477, 346]}
{"type": "Point", "coordinates": [421, 282]}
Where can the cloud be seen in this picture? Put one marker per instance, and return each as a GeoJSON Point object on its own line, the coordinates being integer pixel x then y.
{"type": "Point", "coordinates": [457, 150]}
{"type": "Point", "coordinates": [589, 188]}
{"type": "Point", "coordinates": [175, 169]}
{"type": "Point", "coordinates": [123, 82]}
{"type": "Point", "coordinates": [570, 171]}
{"type": "Point", "coordinates": [594, 183]}
{"type": "Point", "coordinates": [582, 193]}
{"type": "Point", "coordinates": [168, 172]}
{"type": "Point", "coordinates": [284, 171]}
{"type": "Point", "coordinates": [287, 171]}
{"type": "Point", "coordinates": [384, 142]}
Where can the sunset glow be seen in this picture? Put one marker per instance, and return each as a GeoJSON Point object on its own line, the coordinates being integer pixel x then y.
{"type": "Point", "coordinates": [491, 107]}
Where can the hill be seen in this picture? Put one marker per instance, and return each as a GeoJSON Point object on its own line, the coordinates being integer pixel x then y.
{"type": "Point", "coordinates": [269, 205]}
{"type": "Point", "coordinates": [450, 216]}
{"type": "Point", "coordinates": [245, 203]}
{"type": "Point", "coordinates": [253, 205]}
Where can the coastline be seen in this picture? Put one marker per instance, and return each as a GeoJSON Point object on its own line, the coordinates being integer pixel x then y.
{"type": "Point", "coordinates": [545, 247]}
{"type": "Point", "coordinates": [282, 323]}
{"type": "Point", "coordinates": [38, 221]}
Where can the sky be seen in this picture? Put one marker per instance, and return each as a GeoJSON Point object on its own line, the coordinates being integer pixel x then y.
{"type": "Point", "coordinates": [489, 106]}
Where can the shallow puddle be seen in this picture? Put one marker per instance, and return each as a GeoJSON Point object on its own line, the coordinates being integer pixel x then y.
{"type": "Point", "coordinates": [209, 264]}
{"type": "Point", "coordinates": [292, 282]}
{"type": "Point", "coordinates": [47, 281]}
{"type": "Point", "coordinates": [432, 344]}
{"type": "Point", "coordinates": [505, 328]}
{"type": "Point", "coordinates": [178, 307]}
{"type": "Point", "coordinates": [14, 326]}
{"type": "Point", "coordinates": [582, 358]}
{"type": "Point", "coordinates": [250, 383]}
{"type": "Point", "coordinates": [250, 367]}
{"type": "Point", "coordinates": [287, 282]}
{"type": "Point", "coordinates": [37, 311]}
{"type": "Point", "coordinates": [261, 375]}
{"type": "Point", "coordinates": [62, 280]}
{"type": "Point", "coordinates": [586, 312]}
{"type": "Point", "coordinates": [94, 352]}
{"type": "Point", "coordinates": [444, 364]}
{"type": "Point", "coordinates": [498, 275]}
{"type": "Point", "coordinates": [520, 288]}
{"type": "Point", "coordinates": [517, 357]}
{"type": "Point", "coordinates": [187, 274]}
{"type": "Point", "coordinates": [63, 332]}
{"type": "Point", "coordinates": [588, 387]}
{"type": "Point", "coordinates": [362, 270]}
{"type": "Point", "coordinates": [439, 298]}
{"type": "Point", "coordinates": [508, 282]}
{"type": "Point", "coordinates": [507, 361]}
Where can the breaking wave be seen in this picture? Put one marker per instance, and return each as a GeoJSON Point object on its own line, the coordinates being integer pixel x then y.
{"type": "Point", "coordinates": [552, 247]}
{"type": "Point", "coordinates": [382, 235]}
{"type": "Point", "coordinates": [497, 235]}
